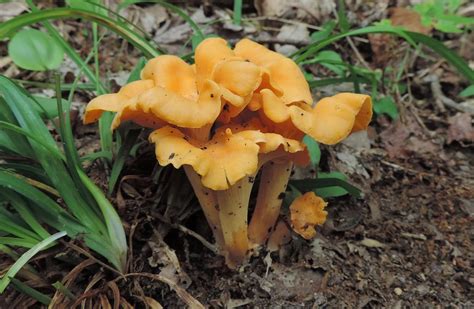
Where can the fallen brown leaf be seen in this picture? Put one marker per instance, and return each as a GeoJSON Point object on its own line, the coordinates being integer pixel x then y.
{"type": "Point", "coordinates": [408, 19]}
{"type": "Point", "coordinates": [460, 128]}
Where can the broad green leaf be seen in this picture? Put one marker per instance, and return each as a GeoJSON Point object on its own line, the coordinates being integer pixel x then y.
{"type": "Point", "coordinates": [469, 91]}
{"type": "Point", "coordinates": [329, 59]}
{"type": "Point", "coordinates": [313, 149]}
{"type": "Point", "coordinates": [306, 185]}
{"type": "Point", "coordinates": [386, 105]}
{"type": "Point", "coordinates": [35, 50]}
{"type": "Point", "coordinates": [47, 106]}
{"type": "Point", "coordinates": [334, 191]}
{"type": "Point", "coordinates": [25, 257]}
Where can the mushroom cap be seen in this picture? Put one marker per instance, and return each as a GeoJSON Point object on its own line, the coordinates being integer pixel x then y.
{"type": "Point", "coordinates": [225, 159]}
{"type": "Point", "coordinates": [306, 212]}
{"type": "Point", "coordinates": [173, 74]}
{"type": "Point", "coordinates": [333, 118]}
{"type": "Point", "coordinates": [329, 122]}
{"type": "Point", "coordinates": [114, 102]}
{"type": "Point", "coordinates": [166, 106]}
{"type": "Point", "coordinates": [207, 55]}
{"type": "Point", "coordinates": [284, 74]}
{"type": "Point", "coordinates": [221, 162]}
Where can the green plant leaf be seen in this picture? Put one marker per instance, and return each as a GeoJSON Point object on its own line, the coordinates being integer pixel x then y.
{"type": "Point", "coordinates": [386, 105]}
{"type": "Point", "coordinates": [135, 74]}
{"type": "Point", "coordinates": [237, 16]}
{"type": "Point", "coordinates": [88, 5]}
{"type": "Point", "coordinates": [322, 34]}
{"type": "Point", "coordinates": [12, 25]}
{"type": "Point", "coordinates": [31, 292]}
{"type": "Point", "coordinates": [25, 257]}
{"type": "Point", "coordinates": [411, 37]}
{"type": "Point", "coordinates": [305, 185]}
{"type": "Point", "coordinates": [333, 191]}
{"type": "Point", "coordinates": [313, 150]}
{"type": "Point", "coordinates": [34, 50]}
{"type": "Point", "coordinates": [330, 60]}
{"type": "Point", "coordinates": [47, 107]}
{"type": "Point", "coordinates": [468, 92]}
{"type": "Point", "coordinates": [342, 16]}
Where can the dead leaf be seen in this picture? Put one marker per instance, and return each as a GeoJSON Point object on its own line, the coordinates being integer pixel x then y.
{"type": "Point", "coordinates": [383, 47]}
{"type": "Point", "coordinates": [152, 303]}
{"type": "Point", "coordinates": [460, 128]}
{"type": "Point", "coordinates": [408, 19]}
{"type": "Point", "coordinates": [11, 9]}
{"type": "Point", "coordinates": [372, 243]}
{"type": "Point", "coordinates": [163, 256]}
{"type": "Point", "coordinates": [402, 139]}
{"type": "Point", "coordinates": [308, 10]}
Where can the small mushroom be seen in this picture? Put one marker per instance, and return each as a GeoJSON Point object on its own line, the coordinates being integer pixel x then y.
{"type": "Point", "coordinates": [306, 212]}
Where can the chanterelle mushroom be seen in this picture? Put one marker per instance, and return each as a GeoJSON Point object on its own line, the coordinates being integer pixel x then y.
{"type": "Point", "coordinates": [230, 115]}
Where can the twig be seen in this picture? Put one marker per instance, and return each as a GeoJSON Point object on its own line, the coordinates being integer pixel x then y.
{"type": "Point", "coordinates": [275, 41]}
{"type": "Point", "coordinates": [357, 53]}
{"type": "Point", "coordinates": [90, 256]}
{"type": "Point", "coordinates": [182, 293]}
{"type": "Point", "coordinates": [189, 232]}
{"type": "Point", "coordinates": [442, 100]}
{"type": "Point", "coordinates": [282, 20]}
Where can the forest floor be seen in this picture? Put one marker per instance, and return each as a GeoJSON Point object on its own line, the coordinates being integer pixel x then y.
{"type": "Point", "coordinates": [406, 243]}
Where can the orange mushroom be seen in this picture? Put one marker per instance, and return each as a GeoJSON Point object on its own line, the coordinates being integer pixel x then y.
{"type": "Point", "coordinates": [227, 117]}
{"type": "Point", "coordinates": [227, 164]}
{"type": "Point", "coordinates": [306, 212]}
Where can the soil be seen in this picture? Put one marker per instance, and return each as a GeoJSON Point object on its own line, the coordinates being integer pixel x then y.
{"type": "Point", "coordinates": [407, 243]}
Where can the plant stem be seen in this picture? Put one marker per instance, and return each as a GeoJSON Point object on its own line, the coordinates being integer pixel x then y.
{"type": "Point", "coordinates": [273, 182]}
{"type": "Point", "coordinates": [208, 201]}
{"type": "Point", "coordinates": [233, 212]}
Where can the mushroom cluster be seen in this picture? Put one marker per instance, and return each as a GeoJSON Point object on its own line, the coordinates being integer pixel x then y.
{"type": "Point", "coordinates": [225, 118]}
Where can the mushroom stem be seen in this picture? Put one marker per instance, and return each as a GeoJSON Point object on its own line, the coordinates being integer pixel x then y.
{"type": "Point", "coordinates": [233, 212]}
{"type": "Point", "coordinates": [208, 201]}
{"type": "Point", "coordinates": [273, 182]}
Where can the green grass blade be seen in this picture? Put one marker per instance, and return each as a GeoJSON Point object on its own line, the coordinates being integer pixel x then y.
{"type": "Point", "coordinates": [411, 37]}
{"type": "Point", "coordinates": [119, 162]}
{"type": "Point", "coordinates": [342, 16]}
{"type": "Point", "coordinates": [237, 12]}
{"type": "Point", "coordinates": [31, 292]}
{"type": "Point", "coordinates": [25, 213]}
{"type": "Point", "coordinates": [17, 242]}
{"type": "Point", "coordinates": [12, 25]}
{"type": "Point", "coordinates": [115, 229]}
{"type": "Point", "coordinates": [28, 255]}
{"type": "Point", "coordinates": [306, 185]}
{"type": "Point", "coordinates": [19, 102]}
{"type": "Point", "coordinates": [16, 230]}
{"type": "Point", "coordinates": [9, 140]}
{"type": "Point", "coordinates": [64, 290]}
{"type": "Point", "coordinates": [312, 49]}
{"type": "Point", "coordinates": [29, 170]}
{"type": "Point", "coordinates": [20, 186]}
{"type": "Point", "coordinates": [11, 127]}
{"type": "Point", "coordinates": [459, 63]}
